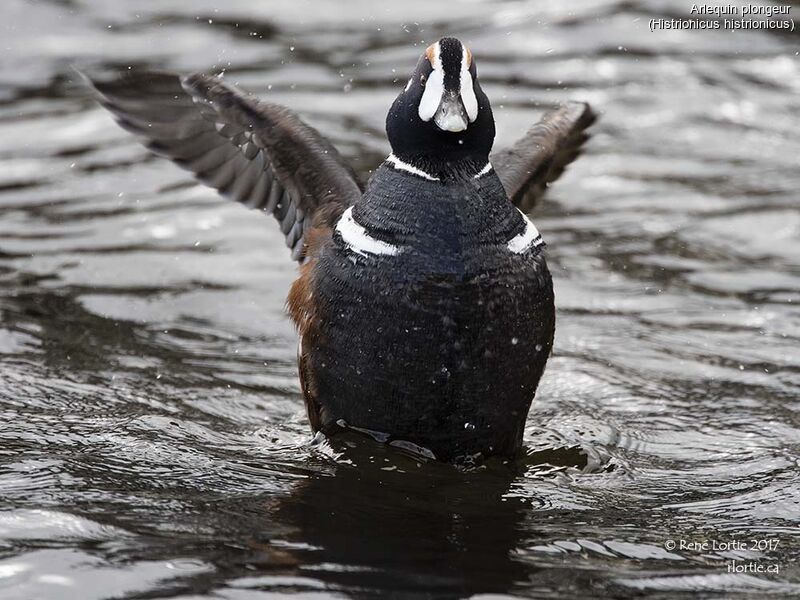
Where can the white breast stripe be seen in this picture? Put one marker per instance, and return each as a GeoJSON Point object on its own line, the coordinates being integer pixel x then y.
{"type": "Point", "coordinates": [404, 166]}
{"type": "Point", "coordinates": [483, 171]}
{"type": "Point", "coordinates": [530, 237]}
{"type": "Point", "coordinates": [358, 239]}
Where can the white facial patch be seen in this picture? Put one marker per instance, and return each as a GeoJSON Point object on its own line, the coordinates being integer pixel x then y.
{"type": "Point", "coordinates": [467, 91]}
{"type": "Point", "coordinates": [359, 240]}
{"type": "Point", "coordinates": [434, 88]}
{"type": "Point", "coordinates": [527, 239]}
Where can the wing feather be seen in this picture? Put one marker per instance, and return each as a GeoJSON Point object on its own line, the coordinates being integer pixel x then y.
{"type": "Point", "coordinates": [256, 153]}
{"type": "Point", "coordinates": [540, 156]}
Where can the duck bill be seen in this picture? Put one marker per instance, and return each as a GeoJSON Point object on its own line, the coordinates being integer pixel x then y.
{"type": "Point", "coordinates": [451, 115]}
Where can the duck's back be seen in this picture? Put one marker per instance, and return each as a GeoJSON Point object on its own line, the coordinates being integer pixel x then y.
{"type": "Point", "coordinates": [433, 316]}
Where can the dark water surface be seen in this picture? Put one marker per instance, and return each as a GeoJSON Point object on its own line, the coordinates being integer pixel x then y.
{"type": "Point", "coordinates": [153, 441]}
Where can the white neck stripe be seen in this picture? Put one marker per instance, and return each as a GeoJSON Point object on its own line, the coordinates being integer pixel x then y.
{"type": "Point", "coordinates": [483, 171]}
{"type": "Point", "coordinates": [527, 239]}
{"type": "Point", "coordinates": [404, 166]}
{"type": "Point", "coordinates": [358, 238]}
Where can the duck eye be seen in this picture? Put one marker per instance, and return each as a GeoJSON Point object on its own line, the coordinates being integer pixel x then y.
{"type": "Point", "coordinates": [422, 79]}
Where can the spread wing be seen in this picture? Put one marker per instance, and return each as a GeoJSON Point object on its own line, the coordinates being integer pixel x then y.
{"type": "Point", "coordinates": [541, 155]}
{"type": "Point", "coordinates": [256, 153]}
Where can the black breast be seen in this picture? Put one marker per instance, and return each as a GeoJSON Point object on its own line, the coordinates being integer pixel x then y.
{"type": "Point", "coordinates": [452, 226]}
{"type": "Point", "coordinates": [443, 343]}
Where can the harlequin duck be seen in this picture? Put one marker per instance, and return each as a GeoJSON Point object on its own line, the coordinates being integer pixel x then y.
{"type": "Point", "coordinates": [424, 303]}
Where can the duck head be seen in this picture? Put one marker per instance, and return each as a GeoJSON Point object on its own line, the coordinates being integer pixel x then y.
{"type": "Point", "coordinates": [442, 119]}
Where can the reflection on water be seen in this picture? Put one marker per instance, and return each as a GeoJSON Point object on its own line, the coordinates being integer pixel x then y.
{"type": "Point", "coordinates": [152, 436]}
